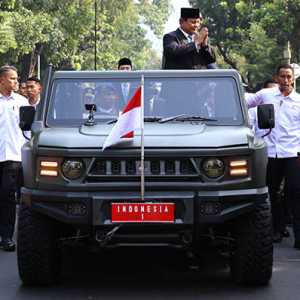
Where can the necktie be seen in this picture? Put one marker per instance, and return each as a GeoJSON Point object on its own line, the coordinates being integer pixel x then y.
{"type": "Point", "coordinates": [125, 87]}
{"type": "Point", "coordinates": [190, 38]}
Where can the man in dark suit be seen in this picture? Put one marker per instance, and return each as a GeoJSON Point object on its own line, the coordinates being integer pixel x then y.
{"type": "Point", "coordinates": [127, 88]}
{"type": "Point", "coordinates": [155, 104]}
{"type": "Point", "coordinates": [188, 47]}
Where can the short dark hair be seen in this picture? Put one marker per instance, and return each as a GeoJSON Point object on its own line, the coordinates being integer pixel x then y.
{"type": "Point", "coordinates": [6, 68]}
{"type": "Point", "coordinates": [124, 61]}
{"type": "Point", "coordinates": [284, 66]}
{"type": "Point", "coordinates": [34, 78]}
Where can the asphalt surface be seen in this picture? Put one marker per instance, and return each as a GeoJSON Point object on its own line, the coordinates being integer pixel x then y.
{"type": "Point", "coordinates": [138, 273]}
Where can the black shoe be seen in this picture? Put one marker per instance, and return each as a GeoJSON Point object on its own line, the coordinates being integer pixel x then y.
{"type": "Point", "coordinates": [297, 244]}
{"type": "Point", "coordinates": [277, 237]}
{"type": "Point", "coordinates": [8, 245]}
{"type": "Point", "coordinates": [285, 233]}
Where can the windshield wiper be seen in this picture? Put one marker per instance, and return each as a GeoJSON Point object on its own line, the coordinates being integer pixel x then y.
{"type": "Point", "coordinates": [146, 119]}
{"type": "Point", "coordinates": [185, 117]}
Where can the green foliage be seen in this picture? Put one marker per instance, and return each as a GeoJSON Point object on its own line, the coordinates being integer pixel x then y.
{"type": "Point", "coordinates": [63, 32]}
{"type": "Point", "coordinates": [155, 13]}
{"type": "Point", "coordinates": [251, 35]}
{"type": "Point", "coordinates": [7, 38]}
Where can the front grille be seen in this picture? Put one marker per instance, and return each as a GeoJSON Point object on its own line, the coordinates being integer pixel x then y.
{"type": "Point", "coordinates": [131, 168]}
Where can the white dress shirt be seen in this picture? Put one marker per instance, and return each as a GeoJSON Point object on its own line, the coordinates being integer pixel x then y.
{"type": "Point", "coordinates": [284, 139]}
{"type": "Point", "coordinates": [11, 138]}
{"type": "Point", "coordinates": [125, 90]}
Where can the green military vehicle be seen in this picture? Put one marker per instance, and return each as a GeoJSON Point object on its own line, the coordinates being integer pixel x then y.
{"type": "Point", "coordinates": [202, 174]}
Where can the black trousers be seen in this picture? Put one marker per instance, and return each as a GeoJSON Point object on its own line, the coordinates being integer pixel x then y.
{"type": "Point", "coordinates": [289, 169]}
{"type": "Point", "coordinates": [9, 173]}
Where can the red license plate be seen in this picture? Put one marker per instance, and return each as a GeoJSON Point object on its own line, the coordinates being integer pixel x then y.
{"type": "Point", "coordinates": [142, 212]}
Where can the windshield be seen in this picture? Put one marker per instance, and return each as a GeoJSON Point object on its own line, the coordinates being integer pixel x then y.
{"type": "Point", "coordinates": [208, 98]}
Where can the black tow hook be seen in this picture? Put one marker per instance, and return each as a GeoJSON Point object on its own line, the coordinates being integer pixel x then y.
{"type": "Point", "coordinates": [104, 238]}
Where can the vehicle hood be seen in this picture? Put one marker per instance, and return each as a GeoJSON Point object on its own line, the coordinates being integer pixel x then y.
{"type": "Point", "coordinates": [155, 136]}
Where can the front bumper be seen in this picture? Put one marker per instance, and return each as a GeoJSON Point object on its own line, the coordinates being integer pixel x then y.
{"type": "Point", "coordinates": [191, 207]}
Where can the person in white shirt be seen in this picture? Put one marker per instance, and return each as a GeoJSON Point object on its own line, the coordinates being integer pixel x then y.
{"type": "Point", "coordinates": [11, 141]}
{"type": "Point", "coordinates": [283, 148]}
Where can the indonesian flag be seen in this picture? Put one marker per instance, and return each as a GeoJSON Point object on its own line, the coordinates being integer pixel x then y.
{"type": "Point", "coordinates": [128, 122]}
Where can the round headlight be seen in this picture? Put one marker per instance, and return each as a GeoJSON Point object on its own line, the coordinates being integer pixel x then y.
{"type": "Point", "coordinates": [213, 167]}
{"type": "Point", "coordinates": [72, 169]}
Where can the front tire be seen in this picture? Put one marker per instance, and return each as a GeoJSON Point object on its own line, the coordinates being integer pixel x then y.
{"type": "Point", "coordinates": [39, 258]}
{"type": "Point", "coordinates": [252, 260]}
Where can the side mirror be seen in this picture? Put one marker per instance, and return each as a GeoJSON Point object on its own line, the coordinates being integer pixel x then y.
{"type": "Point", "coordinates": [265, 116]}
{"type": "Point", "coordinates": [26, 117]}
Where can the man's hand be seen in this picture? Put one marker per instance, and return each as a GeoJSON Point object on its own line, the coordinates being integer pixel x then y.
{"type": "Point", "coordinates": [201, 37]}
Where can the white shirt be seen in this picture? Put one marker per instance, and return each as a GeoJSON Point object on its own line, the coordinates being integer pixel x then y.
{"type": "Point", "coordinates": [11, 138]}
{"type": "Point", "coordinates": [36, 103]}
{"type": "Point", "coordinates": [125, 90]}
{"type": "Point", "coordinates": [284, 139]}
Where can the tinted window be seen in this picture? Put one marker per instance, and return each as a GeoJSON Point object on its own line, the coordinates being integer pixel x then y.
{"type": "Point", "coordinates": [215, 98]}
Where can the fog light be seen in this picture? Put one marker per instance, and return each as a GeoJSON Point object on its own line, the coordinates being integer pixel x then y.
{"type": "Point", "coordinates": [210, 208]}
{"type": "Point", "coordinates": [77, 209]}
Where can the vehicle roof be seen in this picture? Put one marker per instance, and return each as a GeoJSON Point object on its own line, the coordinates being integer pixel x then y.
{"type": "Point", "coordinates": [147, 73]}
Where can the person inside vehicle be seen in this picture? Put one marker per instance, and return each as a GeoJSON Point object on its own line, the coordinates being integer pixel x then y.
{"type": "Point", "coordinates": [107, 100]}
{"type": "Point", "coordinates": [88, 96]}
{"type": "Point", "coordinates": [155, 104]}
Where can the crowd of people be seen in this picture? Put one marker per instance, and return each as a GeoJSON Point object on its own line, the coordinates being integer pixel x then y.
{"type": "Point", "coordinates": [187, 47]}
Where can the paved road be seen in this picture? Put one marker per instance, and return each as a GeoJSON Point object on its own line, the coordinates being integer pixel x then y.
{"type": "Point", "coordinates": [152, 274]}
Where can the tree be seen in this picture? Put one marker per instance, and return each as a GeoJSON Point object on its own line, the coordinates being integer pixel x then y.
{"type": "Point", "coordinates": [63, 32]}
{"type": "Point", "coordinates": [251, 35]}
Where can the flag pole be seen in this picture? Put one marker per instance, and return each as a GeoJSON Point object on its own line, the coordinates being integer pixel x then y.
{"type": "Point", "coordinates": [142, 142]}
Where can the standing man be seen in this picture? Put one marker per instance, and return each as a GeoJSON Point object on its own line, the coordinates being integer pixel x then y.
{"type": "Point", "coordinates": [283, 148]}
{"type": "Point", "coordinates": [188, 47]}
{"type": "Point", "coordinates": [125, 64]}
{"type": "Point", "coordinates": [11, 141]}
{"type": "Point", "coordinates": [126, 89]}
{"type": "Point", "coordinates": [34, 88]}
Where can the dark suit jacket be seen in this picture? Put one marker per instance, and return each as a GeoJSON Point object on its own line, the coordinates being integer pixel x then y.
{"type": "Point", "coordinates": [132, 88]}
{"type": "Point", "coordinates": [180, 54]}
{"type": "Point", "coordinates": [158, 108]}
